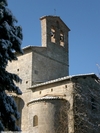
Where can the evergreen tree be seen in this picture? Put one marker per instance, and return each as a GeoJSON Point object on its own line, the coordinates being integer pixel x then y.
{"type": "Point", "coordinates": [10, 42]}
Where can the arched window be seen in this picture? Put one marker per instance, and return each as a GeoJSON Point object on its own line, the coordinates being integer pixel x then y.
{"type": "Point", "coordinates": [35, 120]}
{"type": "Point", "coordinates": [61, 38]}
{"type": "Point", "coordinates": [52, 34]}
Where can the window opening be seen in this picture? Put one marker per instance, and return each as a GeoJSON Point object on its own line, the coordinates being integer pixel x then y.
{"type": "Point", "coordinates": [52, 34]}
{"type": "Point", "coordinates": [93, 104]}
{"type": "Point", "coordinates": [26, 82]}
{"type": "Point", "coordinates": [61, 38]}
{"type": "Point", "coordinates": [65, 86]}
{"type": "Point", "coordinates": [35, 120]}
{"type": "Point", "coordinates": [17, 69]}
{"type": "Point", "coordinates": [51, 90]}
{"type": "Point", "coordinates": [39, 92]}
{"type": "Point", "coordinates": [36, 72]}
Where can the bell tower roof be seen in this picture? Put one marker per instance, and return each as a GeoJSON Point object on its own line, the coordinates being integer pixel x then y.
{"type": "Point", "coordinates": [54, 17]}
{"type": "Point", "coordinates": [54, 31]}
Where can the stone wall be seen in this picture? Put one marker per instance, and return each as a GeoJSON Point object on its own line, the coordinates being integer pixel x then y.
{"type": "Point", "coordinates": [46, 68]}
{"type": "Point", "coordinates": [63, 90]}
{"type": "Point", "coordinates": [23, 68]}
{"type": "Point", "coordinates": [51, 116]}
{"type": "Point", "coordinates": [40, 64]}
{"type": "Point", "coordinates": [87, 105]}
{"type": "Point", "coordinates": [47, 109]}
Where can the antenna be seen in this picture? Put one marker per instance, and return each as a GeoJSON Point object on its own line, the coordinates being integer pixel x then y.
{"type": "Point", "coordinates": [54, 12]}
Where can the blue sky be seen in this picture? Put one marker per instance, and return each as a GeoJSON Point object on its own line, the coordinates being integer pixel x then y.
{"type": "Point", "coordinates": [81, 16]}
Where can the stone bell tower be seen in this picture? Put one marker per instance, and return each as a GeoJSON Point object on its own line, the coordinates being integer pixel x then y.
{"type": "Point", "coordinates": [54, 34]}
{"type": "Point", "coordinates": [54, 30]}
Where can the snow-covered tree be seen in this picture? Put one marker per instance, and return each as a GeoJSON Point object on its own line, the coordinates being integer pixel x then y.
{"type": "Point", "coordinates": [10, 42]}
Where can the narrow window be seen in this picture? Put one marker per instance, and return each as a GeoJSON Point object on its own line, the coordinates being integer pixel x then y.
{"type": "Point", "coordinates": [93, 104]}
{"type": "Point", "coordinates": [61, 38]}
{"type": "Point", "coordinates": [39, 92]}
{"type": "Point", "coordinates": [35, 120]}
{"type": "Point", "coordinates": [65, 86]}
{"type": "Point", "coordinates": [36, 72]}
{"type": "Point", "coordinates": [17, 69]}
{"type": "Point", "coordinates": [51, 90]}
{"type": "Point", "coordinates": [52, 34]}
{"type": "Point", "coordinates": [26, 82]}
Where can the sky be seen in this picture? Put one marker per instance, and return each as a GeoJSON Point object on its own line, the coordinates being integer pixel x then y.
{"type": "Point", "coordinates": [81, 16]}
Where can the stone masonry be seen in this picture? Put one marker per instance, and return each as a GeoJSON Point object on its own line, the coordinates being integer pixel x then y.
{"type": "Point", "coordinates": [40, 64]}
{"type": "Point", "coordinates": [52, 101]}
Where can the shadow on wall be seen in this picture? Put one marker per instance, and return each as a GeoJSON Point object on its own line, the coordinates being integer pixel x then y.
{"type": "Point", "coordinates": [61, 117]}
{"type": "Point", "coordinates": [49, 115]}
{"type": "Point", "coordinates": [20, 104]}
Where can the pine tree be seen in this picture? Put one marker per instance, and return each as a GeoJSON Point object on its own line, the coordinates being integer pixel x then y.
{"type": "Point", "coordinates": [10, 42]}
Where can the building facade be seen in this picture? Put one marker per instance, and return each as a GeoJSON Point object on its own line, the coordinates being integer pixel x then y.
{"type": "Point", "coordinates": [52, 101]}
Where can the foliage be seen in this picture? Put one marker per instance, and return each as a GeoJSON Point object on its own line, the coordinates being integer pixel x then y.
{"type": "Point", "coordinates": [10, 42]}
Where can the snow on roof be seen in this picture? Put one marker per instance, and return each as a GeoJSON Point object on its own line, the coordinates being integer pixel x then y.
{"type": "Point", "coordinates": [29, 46]}
{"type": "Point", "coordinates": [45, 98]}
{"type": "Point", "coordinates": [62, 79]}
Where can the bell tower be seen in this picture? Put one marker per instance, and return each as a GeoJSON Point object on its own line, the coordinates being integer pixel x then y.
{"type": "Point", "coordinates": [54, 30]}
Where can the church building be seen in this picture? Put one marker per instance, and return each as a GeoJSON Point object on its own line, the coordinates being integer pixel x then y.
{"type": "Point", "coordinates": [52, 100]}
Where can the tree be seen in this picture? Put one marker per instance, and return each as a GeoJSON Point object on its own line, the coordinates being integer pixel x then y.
{"type": "Point", "coordinates": [10, 42]}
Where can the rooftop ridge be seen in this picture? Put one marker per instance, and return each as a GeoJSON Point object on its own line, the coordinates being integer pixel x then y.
{"type": "Point", "coordinates": [45, 98]}
{"type": "Point", "coordinates": [63, 78]}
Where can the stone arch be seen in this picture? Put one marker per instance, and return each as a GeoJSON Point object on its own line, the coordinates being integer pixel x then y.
{"type": "Point", "coordinates": [53, 34]}
{"type": "Point", "coordinates": [61, 38]}
{"type": "Point", "coordinates": [20, 104]}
